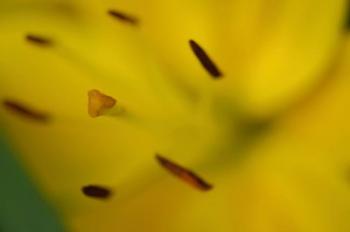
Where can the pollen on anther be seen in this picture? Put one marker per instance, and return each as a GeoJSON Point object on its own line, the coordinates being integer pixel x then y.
{"type": "Point", "coordinates": [184, 174]}
{"type": "Point", "coordinates": [96, 191]}
{"type": "Point", "coordinates": [207, 63]}
{"type": "Point", "coordinates": [98, 103]}
{"type": "Point", "coordinates": [123, 17]}
{"type": "Point", "coordinates": [38, 40]}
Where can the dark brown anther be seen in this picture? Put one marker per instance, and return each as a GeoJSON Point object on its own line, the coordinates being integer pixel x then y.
{"type": "Point", "coordinates": [123, 17]}
{"type": "Point", "coordinates": [25, 111]}
{"type": "Point", "coordinates": [205, 60]}
{"type": "Point", "coordinates": [184, 174]}
{"type": "Point", "coordinates": [38, 40]}
{"type": "Point", "coordinates": [96, 191]}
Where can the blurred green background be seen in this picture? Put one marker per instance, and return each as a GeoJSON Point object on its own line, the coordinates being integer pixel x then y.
{"type": "Point", "coordinates": [21, 207]}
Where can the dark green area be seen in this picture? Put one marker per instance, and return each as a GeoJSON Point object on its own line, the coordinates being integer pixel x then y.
{"type": "Point", "coordinates": [347, 19]}
{"type": "Point", "coordinates": [21, 207]}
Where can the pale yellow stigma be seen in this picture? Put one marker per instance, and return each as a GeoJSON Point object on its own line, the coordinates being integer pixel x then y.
{"type": "Point", "coordinates": [99, 103]}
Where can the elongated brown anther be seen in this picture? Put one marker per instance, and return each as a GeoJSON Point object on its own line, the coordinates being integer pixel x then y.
{"type": "Point", "coordinates": [25, 111]}
{"type": "Point", "coordinates": [96, 191]}
{"type": "Point", "coordinates": [184, 174]}
{"type": "Point", "coordinates": [123, 17]}
{"type": "Point", "coordinates": [38, 40]}
{"type": "Point", "coordinates": [205, 60]}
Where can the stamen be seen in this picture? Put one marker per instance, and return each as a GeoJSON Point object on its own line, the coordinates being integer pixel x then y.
{"type": "Point", "coordinates": [96, 191]}
{"type": "Point", "coordinates": [205, 60]}
{"type": "Point", "coordinates": [123, 17]}
{"type": "Point", "coordinates": [184, 174]}
{"type": "Point", "coordinates": [25, 111]}
{"type": "Point", "coordinates": [99, 103]}
{"type": "Point", "coordinates": [38, 40]}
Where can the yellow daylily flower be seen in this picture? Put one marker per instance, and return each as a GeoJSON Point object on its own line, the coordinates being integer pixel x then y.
{"type": "Point", "coordinates": [206, 115]}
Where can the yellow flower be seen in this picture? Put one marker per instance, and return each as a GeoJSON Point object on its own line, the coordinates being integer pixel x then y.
{"type": "Point", "coordinates": [226, 115]}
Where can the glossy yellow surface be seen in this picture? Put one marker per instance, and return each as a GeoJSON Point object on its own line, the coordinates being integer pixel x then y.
{"type": "Point", "coordinates": [271, 135]}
